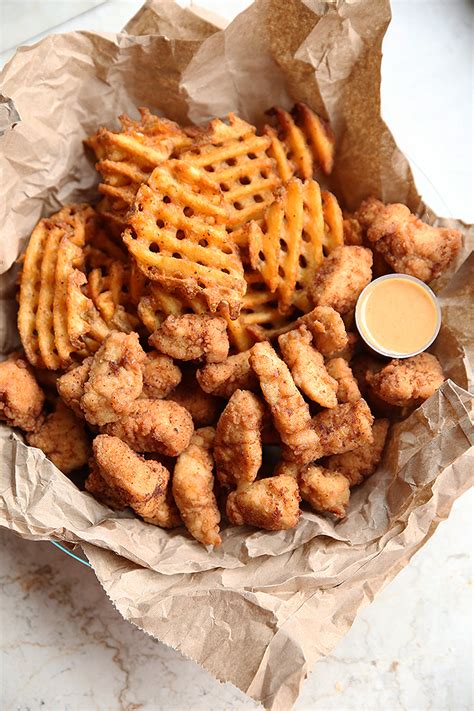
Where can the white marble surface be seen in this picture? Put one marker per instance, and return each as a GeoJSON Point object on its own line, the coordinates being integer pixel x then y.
{"type": "Point", "coordinates": [64, 647]}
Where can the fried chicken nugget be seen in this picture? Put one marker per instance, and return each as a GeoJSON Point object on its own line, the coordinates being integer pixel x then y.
{"type": "Point", "coordinates": [290, 412]}
{"type": "Point", "coordinates": [361, 462]}
{"type": "Point", "coordinates": [21, 398]}
{"type": "Point", "coordinates": [409, 245]}
{"type": "Point", "coordinates": [347, 388]}
{"type": "Point", "coordinates": [344, 428]}
{"type": "Point", "coordinates": [407, 382]}
{"type": "Point", "coordinates": [272, 504]}
{"type": "Point", "coordinates": [70, 386]}
{"type": "Point", "coordinates": [327, 328]}
{"type": "Point", "coordinates": [96, 485]}
{"type": "Point", "coordinates": [193, 488]}
{"type": "Point", "coordinates": [233, 373]}
{"type": "Point", "coordinates": [325, 491]}
{"type": "Point", "coordinates": [203, 408]}
{"type": "Point", "coordinates": [154, 426]}
{"type": "Point", "coordinates": [115, 379]}
{"type": "Point", "coordinates": [307, 367]}
{"type": "Point", "coordinates": [142, 484]}
{"type": "Point", "coordinates": [160, 376]}
{"type": "Point", "coordinates": [341, 278]}
{"type": "Point", "coordinates": [63, 438]}
{"type": "Point", "coordinates": [238, 442]}
{"type": "Point", "coordinates": [192, 336]}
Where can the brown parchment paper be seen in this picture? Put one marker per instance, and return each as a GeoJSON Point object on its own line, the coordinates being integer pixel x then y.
{"type": "Point", "coordinates": [260, 611]}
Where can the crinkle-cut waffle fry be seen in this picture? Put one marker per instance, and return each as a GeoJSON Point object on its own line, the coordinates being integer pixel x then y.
{"type": "Point", "coordinates": [333, 222]}
{"type": "Point", "coordinates": [109, 288]}
{"type": "Point", "coordinates": [157, 304]}
{"type": "Point", "coordinates": [177, 236]}
{"type": "Point", "coordinates": [236, 158]}
{"type": "Point", "coordinates": [44, 314]}
{"type": "Point", "coordinates": [83, 319]}
{"type": "Point", "coordinates": [288, 247]}
{"type": "Point", "coordinates": [127, 157]}
{"type": "Point", "coordinates": [318, 134]}
{"type": "Point", "coordinates": [69, 257]}
{"type": "Point", "coordinates": [299, 158]}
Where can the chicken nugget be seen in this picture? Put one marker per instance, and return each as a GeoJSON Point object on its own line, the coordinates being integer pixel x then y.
{"type": "Point", "coordinates": [361, 462]}
{"type": "Point", "coordinates": [341, 278]}
{"type": "Point", "coordinates": [160, 375]}
{"type": "Point", "coordinates": [327, 328]}
{"type": "Point", "coordinates": [307, 367]}
{"type": "Point", "coordinates": [70, 386]}
{"type": "Point", "coordinates": [238, 442]}
{"type": "Point", "coordinates": [409, 245]}
{"type": "Point", "coordinates": [192, 336]}
{"type": "Point", "coordinates": [407, 382]}
{"type": "Point", "coordinates": [272, 504]}
{"type": "Point", "coordinates": [347, 388]}
{"type": "Point", "coordinates": [21, 398]}
{"type": "Point", "coordinates": [290, 412]}
{"type": "Point", "coordinates": [63, 438]}
{"type": "Point", "coordinates": [233, 373]}
{"type": "Point", "coordinates": [193, 488]}
{"type": "Point", "coordinates": [115, 379]}
{"type": "Point", "coordinates": [325, 491]}
{"type": "Point", "coordinates": [96, 485]}
{"type": "Point", "coordinates": [159, 510]}
{"type": "Point", "coordinates": [154, 426]}
{"type": "Point", "coordinates": [344, 428]}
{"type": "Point", "coordinates": [203, 408]}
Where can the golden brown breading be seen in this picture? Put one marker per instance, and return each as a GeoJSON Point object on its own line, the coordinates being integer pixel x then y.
{"type": "Point", "coordinates": [307, 367]}
{"type": "Point", "coordinates": [193, 488]}
{"type": "Point", "coordinates": [70, 386]}
{"type": "Point", "coordinates": [409, 245]}
{"type": "Point", "coordinates": [326, 491]}
{"type": "Point", "coordinates": [347, 388]}
{"type": "Point", "coordinates": [143, 485]}
{"type": "Point", "coordinates": [63, 438]}
{"type": "Point", "coordinates": [203, 408]}
{"type": "Point", "coordinates": [361, 462]}
{"type": "Point", "coordinates": [192, 336]}
{"type": "Point", "coordinates": [154, 426]}
{"type": "Point", "coordinates": [363, 366]}
{"type": "Point", "coordinates": [21, 398]}
{"type": "Point", "coordinates": [407, 382]}
{"type": "Point", "coordinates": [96, 485]}
{"type": "Point", "coordinates": [272, 504]}
{"type": "Point", "coordinates": [344, 428]}
{"type": "Point", "coordinates": [341, 277]}
{"type": "Point", "coordinates": [223, 379]}
{"type": "Point", "coordinates": [348, 352]}
{"type": "Point", "coordinates": [160, 375]}
{"type": "Point", "coordinates": [353, 233]}
{"type": "Point", "coordinates": [327, 328]}
{"type": "Point", "coordinates": [238, 442]}
{"type": "Point", "coordinates": [290, 412]}
{"type": "Point", "coordinates": [115, 379]}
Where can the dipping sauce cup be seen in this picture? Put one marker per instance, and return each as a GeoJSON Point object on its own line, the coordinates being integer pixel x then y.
{"type": "Point", "coordinates": [398, 316]}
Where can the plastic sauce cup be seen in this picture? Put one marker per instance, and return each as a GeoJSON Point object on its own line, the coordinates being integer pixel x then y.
{"type": "Point", "coordinates": [398, 316]}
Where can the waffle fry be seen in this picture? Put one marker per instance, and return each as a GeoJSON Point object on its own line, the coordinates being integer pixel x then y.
{"type": "Point", "coordinates": [319, 136]}
{"type": "Point", "coordinates": [235, 157]}
{"type": "Point", "coordinates": [178, 239]}
{"type": "Point", "coordinates": [333, 222]}
{"type": "Point", "coordinates": [127, 157]}
{"type": "Point", "coordinates": [83, 319]}
{"type": "Point", "coordinates": [157, 303]}
{"type": "Point", "coordinates": [44, 314]}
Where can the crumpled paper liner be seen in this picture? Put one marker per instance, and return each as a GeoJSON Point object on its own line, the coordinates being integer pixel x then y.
{"type": "Point", "coordinates": [264, 607]}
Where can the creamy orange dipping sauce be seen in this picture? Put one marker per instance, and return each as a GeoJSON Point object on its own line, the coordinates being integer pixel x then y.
{"type": "Point", "coordinates": [397, 316]}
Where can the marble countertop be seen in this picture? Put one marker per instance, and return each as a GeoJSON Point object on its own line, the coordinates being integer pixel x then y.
{"type": "Point", "coordinates": [64, 647]}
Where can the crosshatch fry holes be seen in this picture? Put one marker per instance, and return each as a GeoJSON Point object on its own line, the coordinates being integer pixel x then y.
{"type": "Point", "coordinates": [180, 234]}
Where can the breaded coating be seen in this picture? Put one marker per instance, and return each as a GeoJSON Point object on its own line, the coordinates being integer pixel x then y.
{"type": "Point", "coordinates": [341, 277]}
{"type": "Point", "coordinates": [353, 232]}
{"type": "Point", "coordinates": [347, 388]}
{"type": "Point", "coordinates": [344, 428]}
{"type": "Point", "coordinates": [142, 484]}
{"type": "Point", "coordinates": [361, 462]}
{"type": "Point", "coordinates": [238, 442]}
{"type": "Point", "coordinates": [409, 245]}
{"type": "Point", "coordinates": [191, 337]}
{"type": "Point", "coordinates": [272, 504]}
{"type": "Point", "coordinates": [96, 485]}
{"type": "Point", "coordinates": [154, 426]}
{"type": "Point", "coordinates": [348, 352]}
{"type": "Point", "coordinates": [115, 379]}
{"type": "Point", "coordinates": [307, 367]}
{"type": "Point", "coordinates": [160, 375]}
{"type": "Point", "coordinates": [327, 328]}
{"type": "Point", "coordinates": [203, 408]}
{"type": "Point", "coordinates": [407, 382]}
{"type": "Point", "coordinates": [223, 379]}
{"type": "Point", "coordinates": [21, 398]}
{"type": "Point", "coordinates": [193, 488]}
{"type": "Point", "coordinates": [290, 412]}
{"type": "Point", "coordinates": [363, 366]}
{"type": "Point", "coordinates": [325, 491]}
{"type": "Point", "coordinates": [70, 386]}
{"type": "Point", "coordinates": [63, 438]}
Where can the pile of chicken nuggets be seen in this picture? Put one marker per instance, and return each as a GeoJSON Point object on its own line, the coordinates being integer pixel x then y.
{"type": "Point", "coordinates": [189, 343]}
